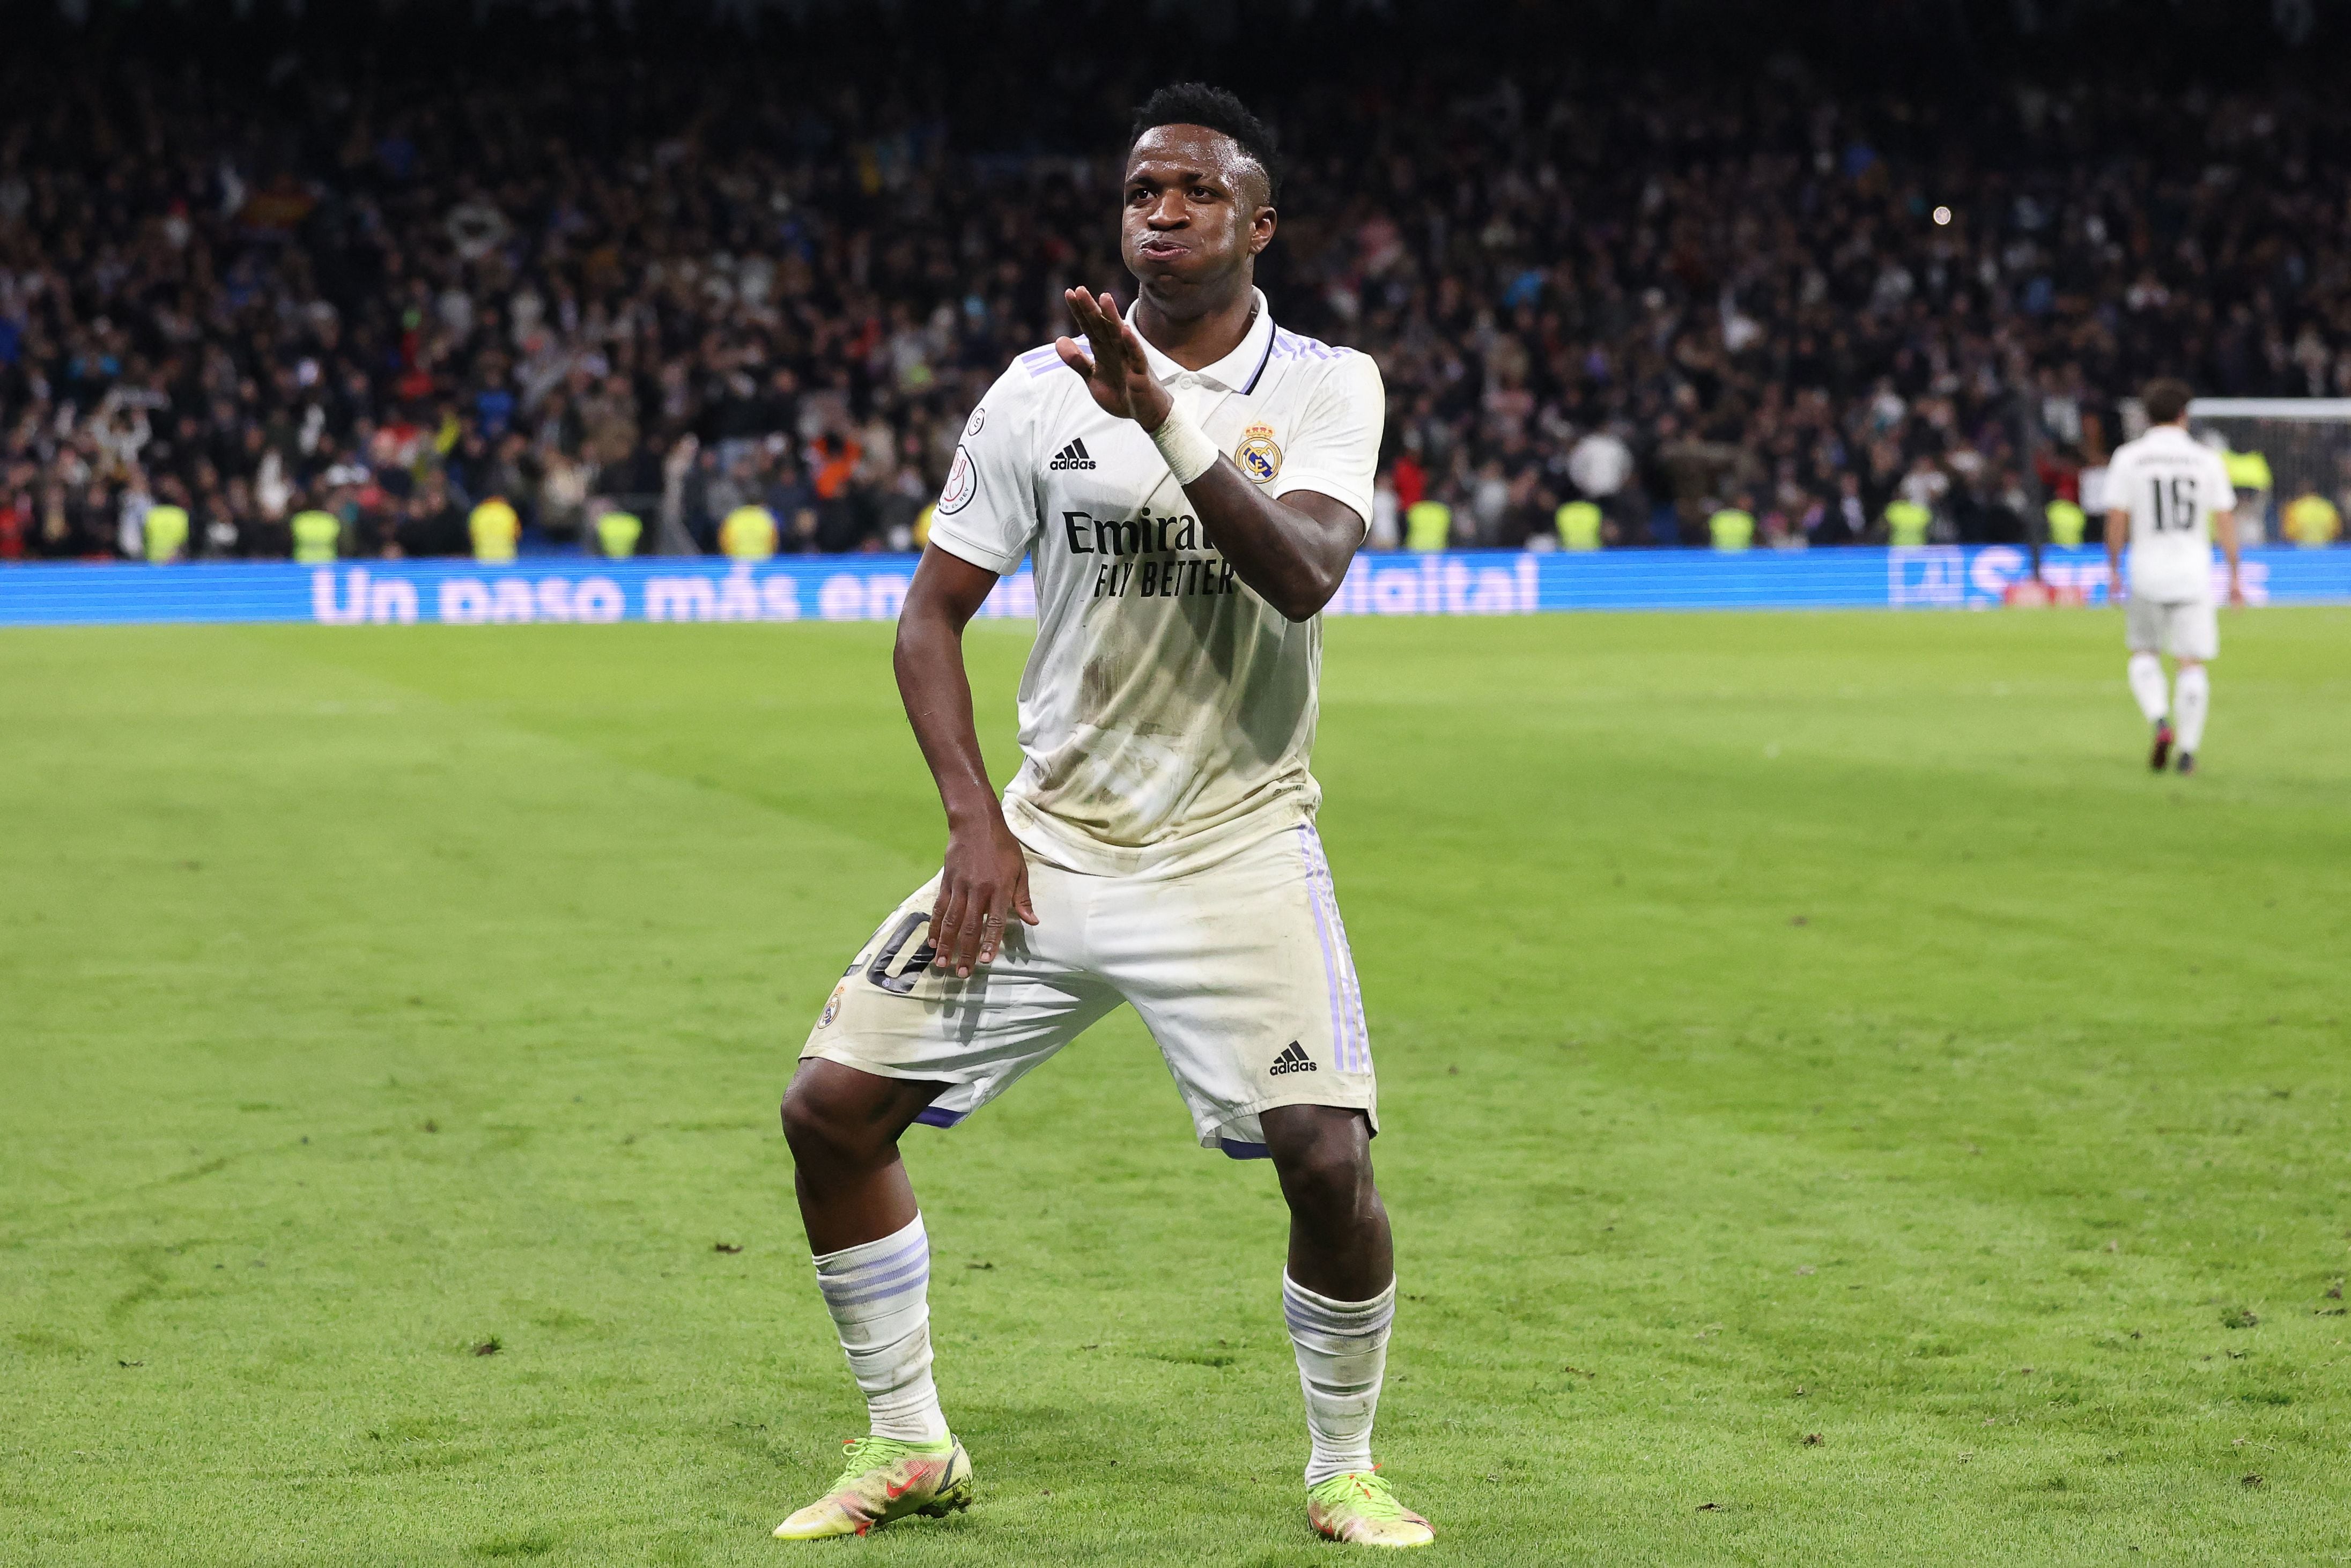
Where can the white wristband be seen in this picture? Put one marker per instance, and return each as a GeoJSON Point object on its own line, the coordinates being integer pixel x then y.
{"type": "Point", "coordinates": [1185, 446]}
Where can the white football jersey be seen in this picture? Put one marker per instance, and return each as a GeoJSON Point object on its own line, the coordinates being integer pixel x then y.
{"type": "Point", "coordinates": [2170, 484]}
{"type": "Point", "coordinates": [1167, 712]}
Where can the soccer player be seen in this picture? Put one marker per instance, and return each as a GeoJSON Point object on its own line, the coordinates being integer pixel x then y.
{"type": "Point", "coordinates": [1190, 486]}
{"type": "Point", "coordinates": [2168, 497]}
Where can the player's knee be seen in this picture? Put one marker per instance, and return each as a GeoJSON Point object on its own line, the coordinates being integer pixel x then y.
{"type": "Point", "coordinates": [816, 1124]}
{"type": "Point", "coordinates": [1327, 1174]}
{"type": "Point", "coordinates": [838, 1116]}
{"type": "Point", "coordinates": [1338, 1185]}
{"type": "Point", "coordinates": [803, 1122]}
{"type": "Point", "coordinates": [1327, 1192]}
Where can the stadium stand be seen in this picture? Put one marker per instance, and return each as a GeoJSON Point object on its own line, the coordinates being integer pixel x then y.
{"type": "Point", "coordinates": [675, 288]}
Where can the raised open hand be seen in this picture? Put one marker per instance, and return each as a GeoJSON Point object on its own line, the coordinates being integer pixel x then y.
{"type": "Point", "coordinates": [1113, 363]}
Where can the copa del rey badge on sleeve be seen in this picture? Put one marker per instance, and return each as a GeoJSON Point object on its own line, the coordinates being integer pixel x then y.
{"type": "Point", "coordinates": [1257, 456]}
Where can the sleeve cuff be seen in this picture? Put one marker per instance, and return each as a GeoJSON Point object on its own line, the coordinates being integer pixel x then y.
{"type": "Point", "coordinates": [964, 548]}
{"type": "Point", "coordinates": [1338, 489]}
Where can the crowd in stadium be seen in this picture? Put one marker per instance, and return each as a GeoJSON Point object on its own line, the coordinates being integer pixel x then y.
{"type": "Point", "coordinates": [384, 306]}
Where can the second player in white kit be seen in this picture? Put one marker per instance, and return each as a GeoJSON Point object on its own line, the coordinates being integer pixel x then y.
{"type": "Point", "coordinates": [2168, 497]}
{"type": "Point", "coordinates": [1188, 489]}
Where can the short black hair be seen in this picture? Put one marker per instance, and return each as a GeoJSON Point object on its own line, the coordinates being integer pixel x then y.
{"type": "Point", "coordinates": [2165, 398]}
{"type": "Point", "coordinates": [1198, 103]}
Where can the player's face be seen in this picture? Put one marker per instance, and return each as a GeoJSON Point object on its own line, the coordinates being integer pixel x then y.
{"type": "Point", "coordinates": [1195, 208]}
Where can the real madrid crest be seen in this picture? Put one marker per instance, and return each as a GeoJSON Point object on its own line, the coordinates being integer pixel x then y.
{"type": "Point", "coordinates": [832, 1007]}
{"type": "Point", "coordinates": [1257, 456]}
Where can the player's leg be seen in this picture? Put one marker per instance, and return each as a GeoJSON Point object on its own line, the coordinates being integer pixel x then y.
{"type": "Point", "coordinates": [844, 1126]}
{"type": "Point", "coordinates": [1261, 1021]}
{"type": "Point", "coordinates": [1340, 1244]}
{"type": "Point", "coordinates": [873, 1262]}
{"type": "Point", "coordinates": [866, 1237]}
{"type": "Point", "coordinates": [2143, 635]}
{"type": "Point", "coordinates": [2192, 701]}
{"type": "Point", "coordinates": [1338, 1297]}
{"type": "Point", "coordinates": [2194, 638]}
{"type": "Point", "coordinates": [899, 1042]}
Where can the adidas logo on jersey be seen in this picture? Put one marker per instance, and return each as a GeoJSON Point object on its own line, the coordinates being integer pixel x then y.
{"type": "Point", "coordinates": [1073, 455]}
{"type": "Point", "coordinates": [1293, 1060]}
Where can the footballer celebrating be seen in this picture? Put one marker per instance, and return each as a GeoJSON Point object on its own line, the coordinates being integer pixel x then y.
{"type": "Point", "coordinates": [2167, 499]}
{"type": "Point", "coordinates": [1190, 485]}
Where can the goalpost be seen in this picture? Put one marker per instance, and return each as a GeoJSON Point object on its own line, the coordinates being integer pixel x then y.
{"type": "Point", "coordinates": [2306, 443]}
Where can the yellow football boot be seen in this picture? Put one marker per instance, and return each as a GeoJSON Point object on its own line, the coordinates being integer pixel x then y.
{"type": "Point", "coordinates": [1361, 1507]}
{"type": "Point", "coordinates": [882, 1479]}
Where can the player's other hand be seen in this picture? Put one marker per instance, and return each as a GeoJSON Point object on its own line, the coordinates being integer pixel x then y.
{"type": "Point", "coordinates": [1113, 363]}
{"type": "Point", "coordinates": [984, 883]}
{"type": "Point", "coordinates": [2236, 591]}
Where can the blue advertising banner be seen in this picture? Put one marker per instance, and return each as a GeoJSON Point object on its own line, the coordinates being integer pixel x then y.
{"type": "Point", "coordinates": [870, 588]}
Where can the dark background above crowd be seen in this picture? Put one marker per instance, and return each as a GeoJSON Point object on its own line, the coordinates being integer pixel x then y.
{"type": "Point", "coordinates": [390, 261]}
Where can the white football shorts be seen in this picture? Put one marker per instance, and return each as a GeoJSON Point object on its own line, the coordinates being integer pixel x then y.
{"type": "Point", "coordinates": [2185, 628]}
{"type": "Point", "coordinates": [1239, 969]}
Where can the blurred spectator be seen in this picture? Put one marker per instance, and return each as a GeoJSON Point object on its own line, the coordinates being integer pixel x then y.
{"type": "Point", "coordinates": [1732, 527]}
{"type": "Point", "coordinates": [1428, 525]}
{"type": "Point", "coordinates": [2311, 521]}
{"type": "Point", "coordinates": [1385, 529]}
{"type": "Point", "coordinates": [495, 527]}
{"type": "Point", "coordinates": [617, 534]}
{"type": "Point", "coordinates": [747, 533]}
{"type": "Point", "coordinates": [2249, 477]}
{"type": "Point", "coordinates": [676, 287]}
{"type": "Point", "coordinates": [1579, 524]}
{"type": "Point", "coordinates": [317, 534]}
{"type": "Point", "coordinates": [1907, 523]}
{"type": "Point", "coordinates": [2067, 523]}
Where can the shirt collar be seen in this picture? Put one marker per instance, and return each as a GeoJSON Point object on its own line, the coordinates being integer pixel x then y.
{"type": "Point", "coordinates": [1237, 371]}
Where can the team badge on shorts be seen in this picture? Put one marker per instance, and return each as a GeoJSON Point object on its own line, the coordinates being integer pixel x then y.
{"type": "Point", "coordinates": [832, 1007]}
{"type": "Point", "coordinates": [1257, 456]}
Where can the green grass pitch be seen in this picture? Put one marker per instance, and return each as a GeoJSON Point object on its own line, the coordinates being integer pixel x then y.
{"type": "Point", "coordinates": [1839, 1106]}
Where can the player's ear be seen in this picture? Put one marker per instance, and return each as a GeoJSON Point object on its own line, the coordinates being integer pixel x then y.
{"type": "Point", "coordinates": [1261, 230]}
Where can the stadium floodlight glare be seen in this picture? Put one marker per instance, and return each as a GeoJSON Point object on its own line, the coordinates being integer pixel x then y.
{"type": "Point", "coordinates": [1942, 216]}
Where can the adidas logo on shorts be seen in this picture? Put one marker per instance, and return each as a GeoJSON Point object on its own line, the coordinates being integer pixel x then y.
{"type": "Point", "coordinates": [1293, 1060]}
{"type": "Point", "coordinates": [1073, 455]}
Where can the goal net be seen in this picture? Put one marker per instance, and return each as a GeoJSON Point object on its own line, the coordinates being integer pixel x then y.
{"type": "Point", "coordinates": [2306, 443]}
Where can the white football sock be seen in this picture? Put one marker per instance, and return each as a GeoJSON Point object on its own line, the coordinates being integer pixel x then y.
{"type": "Point", "coordinates": [878, 1296]}
{"type": "Point", "coordinates": [2192, 699]}
{"type": "Point", "coordinates": [2146, 684]}
{"type": "Point", "coordinates": [1342, 1355]}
